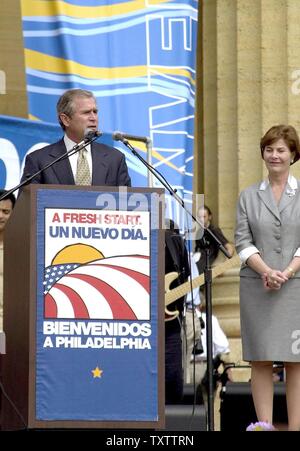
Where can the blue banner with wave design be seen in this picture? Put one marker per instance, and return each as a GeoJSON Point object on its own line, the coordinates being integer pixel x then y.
{"type": "Point", "coordinates": [138, 57]}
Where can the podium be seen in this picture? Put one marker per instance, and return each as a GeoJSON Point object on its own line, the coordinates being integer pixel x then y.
{"type": "Point", "coordinates": [84, 309]}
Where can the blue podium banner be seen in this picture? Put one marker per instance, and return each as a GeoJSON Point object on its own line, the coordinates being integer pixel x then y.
{"type": "Point", "coordinates": [97, 308]}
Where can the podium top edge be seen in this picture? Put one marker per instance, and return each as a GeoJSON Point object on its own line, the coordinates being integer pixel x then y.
{"type": "Point", "coordinates": [35, 186]}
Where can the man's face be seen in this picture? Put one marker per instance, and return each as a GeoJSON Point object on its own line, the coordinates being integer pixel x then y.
{"type": "Point", "coordinates": [85, 115]}
{"type": "Point", "coordinates": [5, 212]}
{"type": "Point", "coordinates": [204, 217]}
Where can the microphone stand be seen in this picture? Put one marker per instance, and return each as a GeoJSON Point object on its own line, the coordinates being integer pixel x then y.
{"type": "Point", "coordinates": [209, 334]}
{"type": "Point", "coordinates": [68, 153]}
{"type": "Point", "coordinates": [207, 235]}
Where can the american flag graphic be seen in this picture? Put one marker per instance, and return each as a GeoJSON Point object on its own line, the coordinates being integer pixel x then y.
{"type": "Point", "coordinates": [109, 288]}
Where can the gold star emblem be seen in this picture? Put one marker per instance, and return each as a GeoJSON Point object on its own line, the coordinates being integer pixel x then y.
{"type": "Point", "coordinates": [97, 372]}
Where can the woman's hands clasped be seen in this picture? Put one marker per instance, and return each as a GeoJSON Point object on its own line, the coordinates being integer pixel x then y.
{"type": "Point", "coordinates": [274, 279]}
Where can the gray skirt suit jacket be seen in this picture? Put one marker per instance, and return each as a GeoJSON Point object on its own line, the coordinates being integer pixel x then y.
{"type": "Point", "coordinates": [270, 320]}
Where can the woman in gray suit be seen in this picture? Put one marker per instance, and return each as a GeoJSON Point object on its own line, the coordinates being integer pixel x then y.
{"type": "Point", "coordinates": [268, 242]}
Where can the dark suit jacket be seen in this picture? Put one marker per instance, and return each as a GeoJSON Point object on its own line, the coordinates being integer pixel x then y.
{"type": "Point", "coordinates": [109, 166]}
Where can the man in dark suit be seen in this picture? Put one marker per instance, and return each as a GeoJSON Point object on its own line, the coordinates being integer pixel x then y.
{"type": "Point", "coordinates": [77, 111]}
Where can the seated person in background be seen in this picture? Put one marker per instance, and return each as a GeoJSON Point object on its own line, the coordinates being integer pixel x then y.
{"type": "Point", "coordinates": [176, 259]}
{"type": "Point", "coordinates": [219, 340]}
{"type": "Point", "coordinates": [204, 215]}
{"type": "Point", "coordinates": [6, 207]}
{"type": "Point", "coordinates": [220, 353]}
{"type": "Point", "coordinates": [195, 322]}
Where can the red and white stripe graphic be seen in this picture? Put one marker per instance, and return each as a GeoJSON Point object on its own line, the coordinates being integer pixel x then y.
{"type": "Point", "coordinates": [109, 288]}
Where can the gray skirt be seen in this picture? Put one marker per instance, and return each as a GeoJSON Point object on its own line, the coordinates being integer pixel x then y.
{"type": "Point", "coordinates": [270, 321]}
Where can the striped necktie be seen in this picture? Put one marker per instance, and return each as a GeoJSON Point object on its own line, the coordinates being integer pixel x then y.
{"type": "Point", "coordinates": [83, 175]}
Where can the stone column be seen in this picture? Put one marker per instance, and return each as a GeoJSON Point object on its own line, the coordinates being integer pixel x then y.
{"type": "Point", "coordinates": [250, 80]}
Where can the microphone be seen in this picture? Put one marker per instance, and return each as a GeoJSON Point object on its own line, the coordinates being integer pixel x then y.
{"type": "Point", "coordinates": [119, 136]}
{"type": "Point", "coordinates": [89, 135]}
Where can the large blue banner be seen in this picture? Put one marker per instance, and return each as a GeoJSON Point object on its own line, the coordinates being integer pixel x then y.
{"type": "Point", "coordinates": [138, 57]}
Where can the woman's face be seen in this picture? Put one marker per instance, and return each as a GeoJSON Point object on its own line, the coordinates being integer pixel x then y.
{"type": "Point", "coordinates": [277, 157]}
